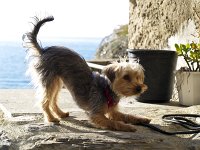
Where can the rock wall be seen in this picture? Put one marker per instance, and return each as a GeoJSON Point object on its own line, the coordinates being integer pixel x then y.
{"type": "Point", "coordinates": [158, 24]}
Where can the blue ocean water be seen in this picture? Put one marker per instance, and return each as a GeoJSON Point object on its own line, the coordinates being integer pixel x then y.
{"type": "Point", "coordinates": [13, 64]}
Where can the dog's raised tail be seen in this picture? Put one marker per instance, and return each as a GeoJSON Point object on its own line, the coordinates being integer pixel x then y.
{"type": "Point", "coordinates": [32, 42]}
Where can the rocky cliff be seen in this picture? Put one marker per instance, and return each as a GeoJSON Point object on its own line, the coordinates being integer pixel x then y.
{"type": "Point", "coordinates": [114, 45]}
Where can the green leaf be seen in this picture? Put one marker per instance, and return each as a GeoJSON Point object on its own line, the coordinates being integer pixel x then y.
{"type": "Point", "coordinates": [178, 49]}
{"type": "Point", "coordinates": [198, 46]}
{"type": "Point", "coordinates": [187, 45]}
{"type": "Point", "coordinates": [192, 55]}
{"type": "Point", "coordinates": [193, 45]}
{"type": "Point", "coordinates": [184, 49]}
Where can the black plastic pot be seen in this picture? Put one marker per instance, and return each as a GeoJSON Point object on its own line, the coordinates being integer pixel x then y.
{"type": "Point", "coordinates": [159, 68]}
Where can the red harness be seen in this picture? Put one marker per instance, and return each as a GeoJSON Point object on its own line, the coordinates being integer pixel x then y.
{"type": "Point", "coordinates": [110, 101]}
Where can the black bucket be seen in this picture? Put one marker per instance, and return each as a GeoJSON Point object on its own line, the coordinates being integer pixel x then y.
{"type": "Point", "coordinates": [159, 66]}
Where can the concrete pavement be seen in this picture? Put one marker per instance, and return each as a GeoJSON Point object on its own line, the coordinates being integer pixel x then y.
{"type": "Point", "coordinates": [22, 126]}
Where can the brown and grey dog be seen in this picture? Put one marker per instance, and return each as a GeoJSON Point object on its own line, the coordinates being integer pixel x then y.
{"type": "Point", "coordinates": [97, 94]}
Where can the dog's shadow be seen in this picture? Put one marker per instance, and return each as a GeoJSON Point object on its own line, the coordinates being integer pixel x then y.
{"type": "Point", "coordinates": [73, 124]}
{"type": "Point", "coordinates": [69, 124]}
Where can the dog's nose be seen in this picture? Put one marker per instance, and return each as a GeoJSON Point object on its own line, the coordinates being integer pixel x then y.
{"type": "Point", "coordinates": [138, 89]}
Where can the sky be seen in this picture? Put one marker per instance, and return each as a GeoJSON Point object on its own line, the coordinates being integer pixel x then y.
{"type": "Point", "coordinates": [72, 18]}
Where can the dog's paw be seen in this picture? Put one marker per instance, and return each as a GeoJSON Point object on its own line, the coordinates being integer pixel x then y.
{"type": "Point", "coordinates": [147, 120]}
{"type": "Point", "coordinates": [144, 120]}
{"type": "Point", "coordinates": [54, 121]}
{"type": "Point", "coordinates": [129, 128]}
{"type": "Point", "coordinates": [120, 126]}
{"type": "Point", "coordinates": [63, 115]}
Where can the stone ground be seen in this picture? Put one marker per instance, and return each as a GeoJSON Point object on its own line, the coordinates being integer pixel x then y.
{"type": "Point", "coordinates": [22, 126]}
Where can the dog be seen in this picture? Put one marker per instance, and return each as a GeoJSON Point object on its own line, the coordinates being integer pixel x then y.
{"type": "Point", "coordinates": [53, 67]}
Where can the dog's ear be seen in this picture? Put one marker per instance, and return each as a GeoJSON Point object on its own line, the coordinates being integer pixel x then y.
{"type": "Point", "coordinates": [110, 72]}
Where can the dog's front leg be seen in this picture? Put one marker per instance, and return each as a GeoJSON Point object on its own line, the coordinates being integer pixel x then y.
{"type": "Point", "coordinates": [127, 118]}
{"type": "Point", "coordinates": [100, 121]}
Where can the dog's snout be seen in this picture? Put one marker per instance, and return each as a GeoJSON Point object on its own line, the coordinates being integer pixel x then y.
{"type": "Point", "coordinates": [138, 89]}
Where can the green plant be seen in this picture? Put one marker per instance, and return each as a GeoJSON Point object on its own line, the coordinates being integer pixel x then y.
{"type": "Point", "coordinates": [191, 54]}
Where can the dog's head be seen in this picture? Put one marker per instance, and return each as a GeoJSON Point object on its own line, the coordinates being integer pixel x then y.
{"type": "Point", "coordinates": [127, 79]}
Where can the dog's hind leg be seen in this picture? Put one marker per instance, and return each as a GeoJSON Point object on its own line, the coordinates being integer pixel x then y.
{"type": "Point", "coordinates": [54, 106]}
{"type": "Point", "coordinates": [46, 101]}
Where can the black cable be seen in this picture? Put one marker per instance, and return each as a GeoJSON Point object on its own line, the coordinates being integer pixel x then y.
{"type": "Point", "coordinates": [179, 119]}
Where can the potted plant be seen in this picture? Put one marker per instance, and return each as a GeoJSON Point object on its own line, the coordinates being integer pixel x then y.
{"type": "Point", "coordinates": [159, 66]}
{"type": "Point", "coordinates": [188, 78]}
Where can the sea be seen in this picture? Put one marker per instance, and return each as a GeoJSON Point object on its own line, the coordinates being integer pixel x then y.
{"type": "Point", "coordinates": [13, 64]}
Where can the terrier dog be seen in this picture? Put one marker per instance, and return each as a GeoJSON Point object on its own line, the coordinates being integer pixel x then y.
{"type": "Point", "coordinates": [97, 94]}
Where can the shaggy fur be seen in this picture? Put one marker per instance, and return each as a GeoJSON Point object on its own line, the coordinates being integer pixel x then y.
{"type": "Point", "coordinates": [98, 94]}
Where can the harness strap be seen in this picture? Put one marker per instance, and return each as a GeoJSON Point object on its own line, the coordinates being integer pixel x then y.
{"type": "Point", "coordinates": [179, 119]}
{"type": "Point", "coordinates": [110, 101]}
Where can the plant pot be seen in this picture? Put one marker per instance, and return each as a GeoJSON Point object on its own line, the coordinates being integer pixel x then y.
{"type": "Point", "coordinates": [188, 85]}
{"type": "Point", "coordinates": [159, 66]}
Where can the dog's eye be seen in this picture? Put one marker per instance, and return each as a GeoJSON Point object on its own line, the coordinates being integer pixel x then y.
{"type": "Point", "coordinates": [126, 77]}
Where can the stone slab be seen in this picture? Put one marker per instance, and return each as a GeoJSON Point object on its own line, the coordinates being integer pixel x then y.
{"type": "Point", "coordinates": [25, 128]}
